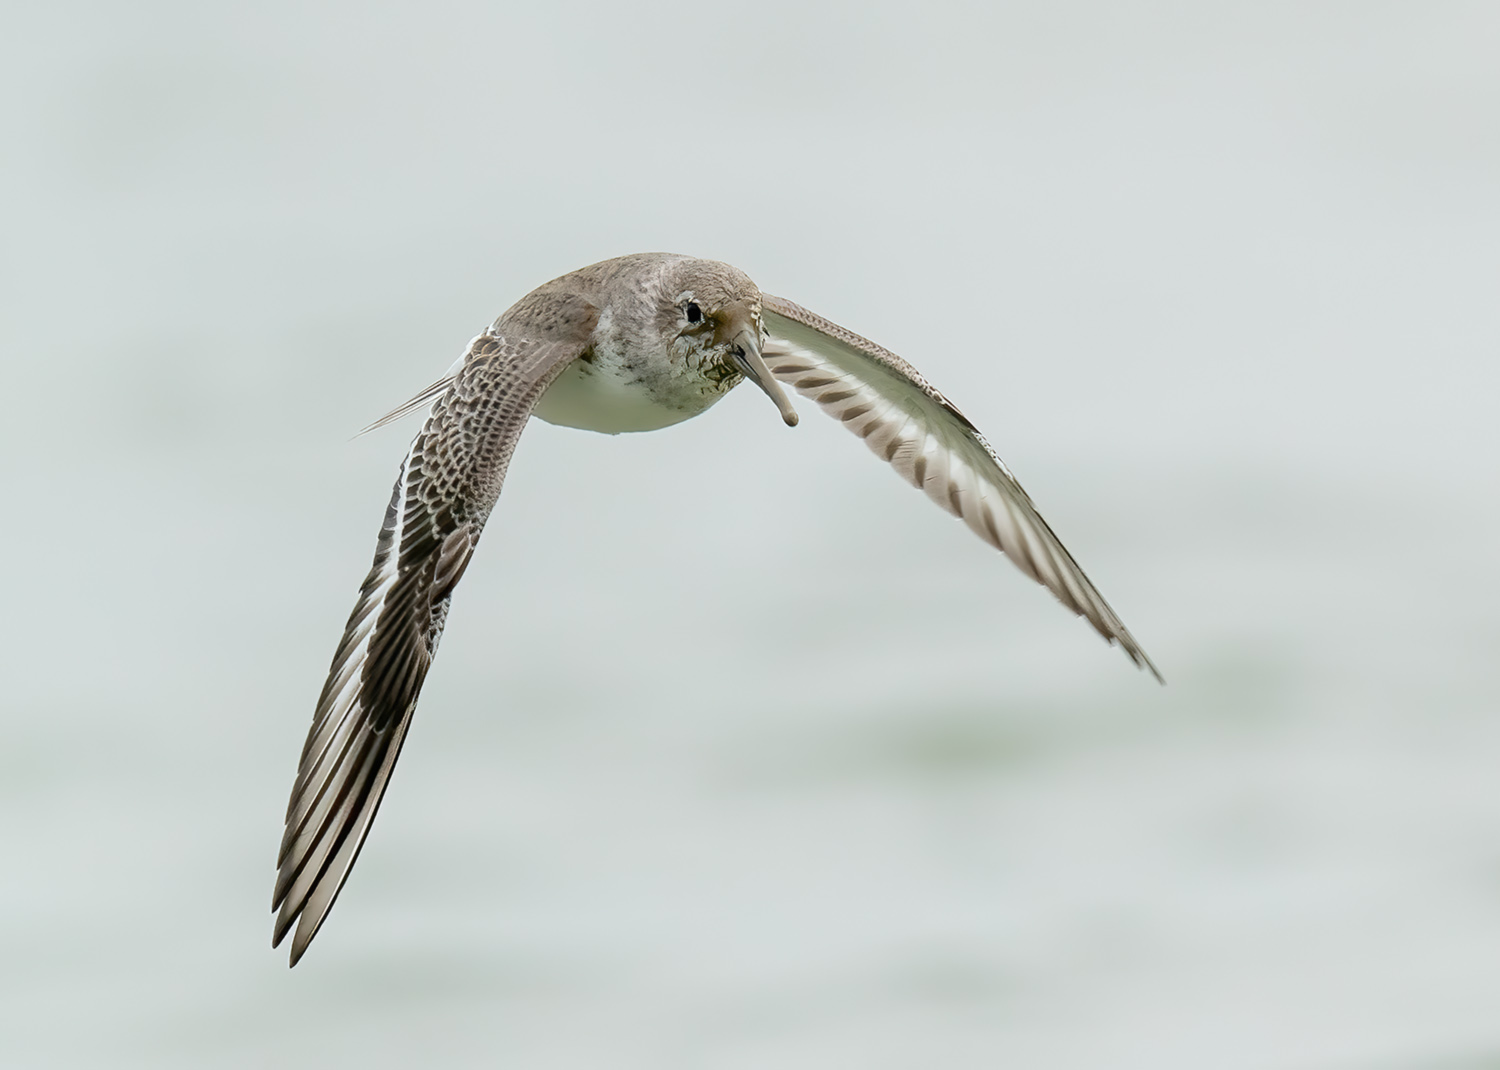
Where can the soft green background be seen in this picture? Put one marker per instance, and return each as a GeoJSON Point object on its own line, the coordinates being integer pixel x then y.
{"type": "Point", "coordinates": [738, 753]}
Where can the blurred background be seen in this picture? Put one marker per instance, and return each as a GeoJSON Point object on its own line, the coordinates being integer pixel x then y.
{"type": "Point", "coordinates": [738, 753]}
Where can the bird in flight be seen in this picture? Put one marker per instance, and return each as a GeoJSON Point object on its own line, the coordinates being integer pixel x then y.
{"type": "Point", "coordinates": [631, 344]}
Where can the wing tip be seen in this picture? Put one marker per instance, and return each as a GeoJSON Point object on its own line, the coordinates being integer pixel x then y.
{"type": "Point", "coordinates": [302, 941]}
{"type": "Point", "coordinates": [299, 946]}
{"type": "Point", "coordinates": [1138, 657]}
{"type": "Point", "coordinates": [1143, 662]}
{"type": "Point", "coordinates": [302, 923]}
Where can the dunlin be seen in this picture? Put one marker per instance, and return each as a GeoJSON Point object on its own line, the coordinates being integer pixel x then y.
{"type": "Point", "coordinates": [630, 344]}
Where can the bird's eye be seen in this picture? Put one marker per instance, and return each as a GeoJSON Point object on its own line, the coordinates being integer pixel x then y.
{"type": "Point", "coordinates": [694, 313]}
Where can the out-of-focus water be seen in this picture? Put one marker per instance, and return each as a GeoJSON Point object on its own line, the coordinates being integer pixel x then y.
{"type": "Point", "coordinates": [738, 753]}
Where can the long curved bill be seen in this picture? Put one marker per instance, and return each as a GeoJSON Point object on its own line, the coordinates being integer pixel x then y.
{"type": "Point", "coordinates": [746, 356]}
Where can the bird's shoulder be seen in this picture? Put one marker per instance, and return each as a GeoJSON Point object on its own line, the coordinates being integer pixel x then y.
{"type": "Point", "coordinates": [550, 315]}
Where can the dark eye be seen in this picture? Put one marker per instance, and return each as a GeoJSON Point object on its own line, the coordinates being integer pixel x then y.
{"type": "Point", "coordinates": [694, 313]}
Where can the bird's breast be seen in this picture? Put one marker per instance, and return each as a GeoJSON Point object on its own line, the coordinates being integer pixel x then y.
{"type": "Point", "coordinates": [615, 389]}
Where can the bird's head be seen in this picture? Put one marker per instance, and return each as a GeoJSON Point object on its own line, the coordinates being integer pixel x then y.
{"type": "Point", "coordinates": [711, 314]}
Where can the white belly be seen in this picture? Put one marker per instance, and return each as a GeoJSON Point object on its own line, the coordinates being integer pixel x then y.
{"type": "Point", "coordinates": [602, 396]}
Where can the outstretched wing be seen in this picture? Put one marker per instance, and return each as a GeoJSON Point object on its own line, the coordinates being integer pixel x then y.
{"type": "Point", "coordinates": [447, 485]}
{"type": "Point", "coordinates": [904, 419]}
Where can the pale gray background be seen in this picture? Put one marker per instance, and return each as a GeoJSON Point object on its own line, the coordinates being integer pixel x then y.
{"type": "Point", "coordinates": [739, 753]}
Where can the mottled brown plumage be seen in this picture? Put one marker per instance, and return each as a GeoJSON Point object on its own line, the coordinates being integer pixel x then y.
{"type": "Point", "coordinates": [629, 344]}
